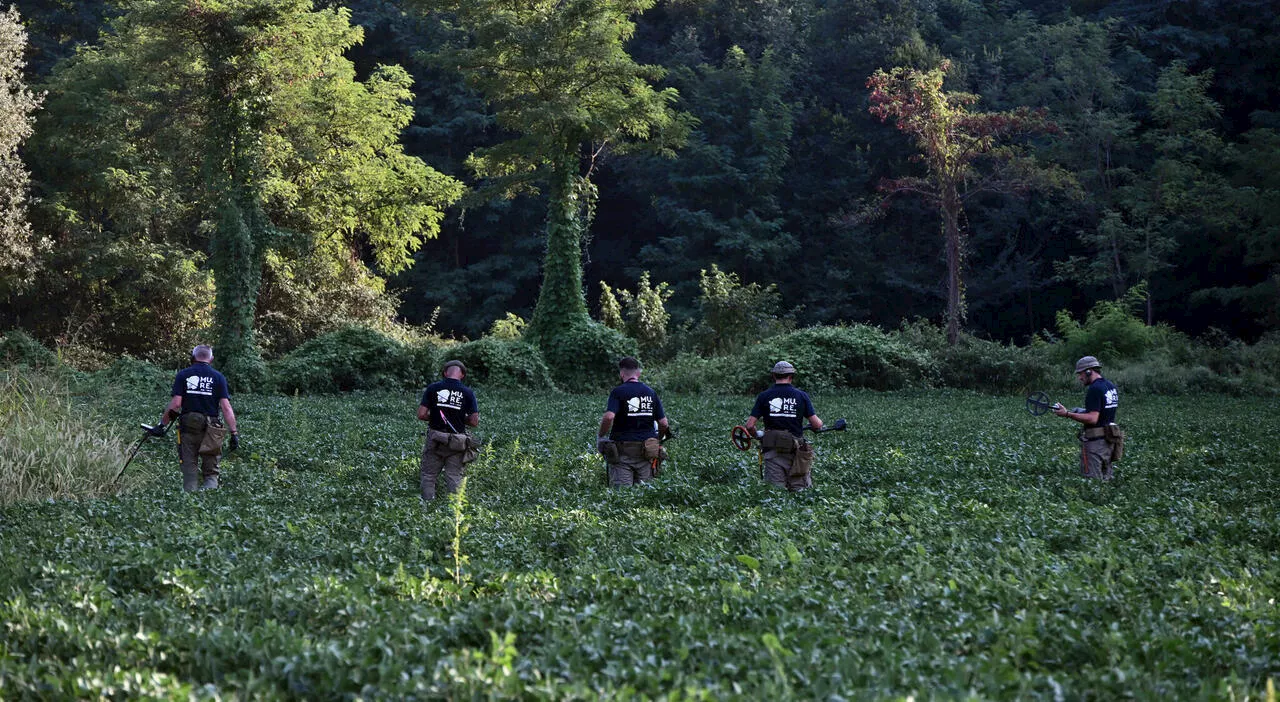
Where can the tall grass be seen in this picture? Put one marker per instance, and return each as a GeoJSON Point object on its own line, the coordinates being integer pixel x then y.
{"type": "Point", "coordinates": [48, 447]}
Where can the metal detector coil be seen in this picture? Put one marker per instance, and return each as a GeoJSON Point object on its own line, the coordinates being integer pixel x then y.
{"type": "Point", "coordinates": [741, 438]}
{"type": "Point", "coordinates": [1038, 403]}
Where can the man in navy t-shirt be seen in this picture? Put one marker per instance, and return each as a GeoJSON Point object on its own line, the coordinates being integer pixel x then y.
{"type": "Point", "coordinates": [782, 407]}
{"type": "Point", "coordinates": [448, 407]}
{"type": "Point", "coordinates": [633, 417]}
{"type": "Point", "coordinates": [200, 398]}
{"type": "Point", "coordinates": [1101, 399]}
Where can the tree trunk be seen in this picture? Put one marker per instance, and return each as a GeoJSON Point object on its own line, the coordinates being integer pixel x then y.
{"type": "Point", "coordinates": [955, 261]}
{"type": "Point", "coordinates": [237, 272]}
{"type": "Point", "coordinates": [561, 301]}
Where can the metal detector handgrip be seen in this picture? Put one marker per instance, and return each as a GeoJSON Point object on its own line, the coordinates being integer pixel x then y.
{"type": "Point", "coordinates": [840, 425]}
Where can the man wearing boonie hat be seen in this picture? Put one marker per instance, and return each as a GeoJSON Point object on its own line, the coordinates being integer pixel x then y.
{"type": "Point", "coordinates": [448, 407]}
{"type": "Point", "coordinates": [1101, 398]}
{"type": "Point", "coordinates": [788, 458]}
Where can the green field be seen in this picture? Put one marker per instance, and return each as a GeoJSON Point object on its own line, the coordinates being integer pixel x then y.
{"type": "Point", "coordinates": [949, 550]}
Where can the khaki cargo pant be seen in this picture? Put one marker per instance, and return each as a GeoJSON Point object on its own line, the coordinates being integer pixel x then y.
{"type": "Point", "coordinates": [1095, 459]}
{"type": "Point", "coordinates": [197, 470]}
{"type": "Point", "coordinates": [777, 471]}
{"type": "Point", "coordinates": [438, 458]}
{"type": "Point", "coordinates": [630, 470]}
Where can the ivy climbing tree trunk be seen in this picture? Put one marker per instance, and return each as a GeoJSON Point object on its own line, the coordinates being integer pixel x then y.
{"type": "Point", "coordinates": [562, 302]}
{"type": "Point", "coordinates": [232, 176]}
{"type": "Point", "coordinates": [237, 266]}
{"type": "Point", "coordinates": [558, 76]}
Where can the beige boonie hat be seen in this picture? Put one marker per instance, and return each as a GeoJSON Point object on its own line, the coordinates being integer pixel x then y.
{"type": "Point", "coordinates": [1086, 363]}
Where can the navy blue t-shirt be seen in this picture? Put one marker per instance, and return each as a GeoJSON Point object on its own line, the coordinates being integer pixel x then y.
{"type": "Point", "coordinates": [635, 407]}
{"type": "Point", "coordinates": [448, 404]}
{"type": "Point", "coordinates": [783, 406]}
{"type": "Point", "coordinates": [201, 387]}
{"type": "Point", "coordinates": [1102, 397]}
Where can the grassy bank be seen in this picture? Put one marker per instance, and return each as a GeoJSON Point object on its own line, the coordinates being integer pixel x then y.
{"type": "Point", "coordinates": [50, 446]}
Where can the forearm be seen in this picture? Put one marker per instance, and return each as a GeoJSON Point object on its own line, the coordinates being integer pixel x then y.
{"type": "Point", "coordinates": [171, 410]}
{"type": "Point", "coordinates": [1086, 418]}
{"type": "Point", "coordinates": [474, 419]}
{"type": "Point", "coordinates": [816, 422]}
{"type": "Point", "coordinates": [606, 423]}
{"type": "Point", "coordinates": [229, 416]}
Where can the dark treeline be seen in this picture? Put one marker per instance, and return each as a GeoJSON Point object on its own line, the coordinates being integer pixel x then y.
{"type": "Point", "coordinates": [1165, 115]}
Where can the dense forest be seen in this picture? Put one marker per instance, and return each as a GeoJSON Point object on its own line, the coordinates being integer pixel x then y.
{"type": "Point", "coordinates": [376, 168]}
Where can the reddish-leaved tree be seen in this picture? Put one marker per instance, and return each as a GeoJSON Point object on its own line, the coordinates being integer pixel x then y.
{"type": "Point", "coordinates": [965, 153]}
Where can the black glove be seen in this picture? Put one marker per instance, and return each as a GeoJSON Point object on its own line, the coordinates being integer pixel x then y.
{"type": "Point", "coordinates": [156, 431]}
{"type": "Point", "coordinates": [235, 441]}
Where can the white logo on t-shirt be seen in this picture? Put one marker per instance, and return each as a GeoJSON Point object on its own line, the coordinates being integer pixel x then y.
{"type": "Point", "coordinates": [199, 385]}
{"type": "Point", "coordinates": [641, 406]}
{"type": "Point", "coordinates": [782, 407]}
{"type": "Point", "coordinates": [451, 399]}
{"type": "Point", "coordinates": [1112, 399]}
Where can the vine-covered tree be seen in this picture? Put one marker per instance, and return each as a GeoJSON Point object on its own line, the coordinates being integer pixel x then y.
{"type": "Point", "coordinates": [965, 154]}
{"type": "Point", "coordinates": [17, 103]}
{"type": "Point", "coordinates": [559, 79]}
{"type": "Point", "coordinates": [239, 125]}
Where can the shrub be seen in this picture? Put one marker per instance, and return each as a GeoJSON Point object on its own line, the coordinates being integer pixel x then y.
{"type": "Point", "coordinates": [509, 329]}
{"type": "Point", "coordinates": [584, 357]}
{"type": "Point", "coordinates": [351, 358]}
{"type": "Point", "coordinates": [989, 366]}
{"type": "Point", "coordinates": [499, 363]}
{"type": "Point", "coordinates": [1110, 331]}
{"type": "Point", "coordinates": [47, 447]}
{"type": "Point", "coordinates": [17, 348]}
{"type": "Point", "coordinates": [734, 315]}
{"type": "Point", "coordinates": [826, 358]}
{"type": "Point", "coordinates": [131, 374]}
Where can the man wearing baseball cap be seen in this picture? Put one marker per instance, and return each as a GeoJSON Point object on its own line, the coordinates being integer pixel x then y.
{"type": "Point", "coordinates": [788, 458]}
{"type": "Point", "coordinates": [1100, 433]}
{"type": "Point", "coordinates": [448, 407]}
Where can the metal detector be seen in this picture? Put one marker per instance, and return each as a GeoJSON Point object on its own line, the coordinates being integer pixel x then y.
{"type": "Point", "coordinates": [1038, 404]}
{"type": "Point", "coordinates": [146, 434]}
{"type": "Point", "coordinates": [741, 438]}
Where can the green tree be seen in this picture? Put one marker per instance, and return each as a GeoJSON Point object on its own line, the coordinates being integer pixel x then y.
{"type": "Point", "coordinates": [559, 79]}
{"type": "Point", "coordinates": [965, 155]}
{"type": "Point", "coordinates": [17, 103]}
{"type": "Point", "coordinates": [1181, 197]}
{"type": "Point", "coordinates": [719, 200]}
{"type": "Point", "coordinates": [239, 125]}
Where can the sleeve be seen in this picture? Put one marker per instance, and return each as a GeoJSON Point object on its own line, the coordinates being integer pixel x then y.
{"type": "Point", "coordinates": [220, 390]}
{"type": "Point", "coordinates": [469, 405]}
{"type": "Point", "coordinates": [658, 412]}
{"type": "Point", "coordinates": [809, 411]}
{"type": "Point", "coordinates": [425, 395]}
{"type": "Point", "coordinates": [613, 405]}
{"type": "Point", "coordinates": [1093, 399]}
{"type": "Point", "coordinates": [758, 409]}
{"type": "Point", "coordinates": [178, 386]}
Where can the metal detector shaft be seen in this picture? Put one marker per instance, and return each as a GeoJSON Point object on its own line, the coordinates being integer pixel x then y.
{"type": "Point", "coordinates": [146, 434]}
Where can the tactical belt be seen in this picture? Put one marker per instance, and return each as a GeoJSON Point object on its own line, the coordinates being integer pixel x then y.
{"type": "Point", "coordinates": [631, 449]}
{"type": "Point", "coordinates": [1093, 433]}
